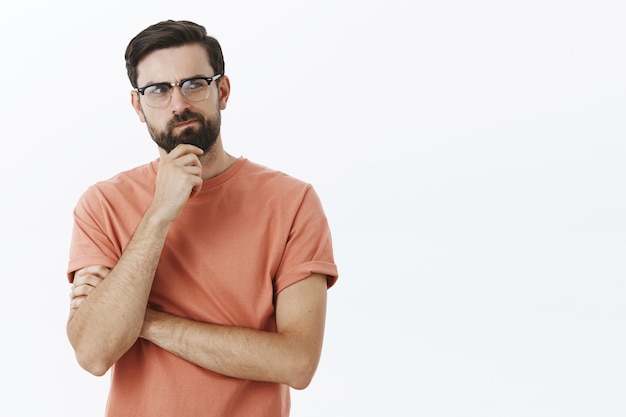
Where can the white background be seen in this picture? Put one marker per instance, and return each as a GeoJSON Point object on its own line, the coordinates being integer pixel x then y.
{"type": "Point", "coordinates": [469, 155]}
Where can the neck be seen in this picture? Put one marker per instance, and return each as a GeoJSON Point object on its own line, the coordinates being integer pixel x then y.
{"type": "Point", "coordinates": [215, 161]}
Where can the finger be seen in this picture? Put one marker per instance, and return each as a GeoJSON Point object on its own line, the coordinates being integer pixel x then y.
{"type": "Point", "coordinates": [75, 302]}
{"type": "Point", "coordinates": [81, 291]}
{"type": "Point", "coordinates": [92, 275]}
{"type": "Point", "coordinates": [96, 270]}
{"type": "Point", "coordinates": [87, 279]}
{"type": "Point", "coordinates": [185, 148]}
{"type": "Point", "coordinates": [195, 190]}
{"type": "Point", "coordinates": [190, 161]}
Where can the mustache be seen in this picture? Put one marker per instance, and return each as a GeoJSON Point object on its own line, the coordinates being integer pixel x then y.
{"type": "Point", "coordinates": [184, 117]}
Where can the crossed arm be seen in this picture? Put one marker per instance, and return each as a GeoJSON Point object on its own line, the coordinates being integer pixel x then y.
{"type": "Point", "coordinates": [108, 308]}
{"type": "Point", "coordinates": [290, 355]}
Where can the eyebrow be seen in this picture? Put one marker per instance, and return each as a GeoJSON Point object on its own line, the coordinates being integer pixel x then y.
{"type": "Point", "coordinates": [182, 79]}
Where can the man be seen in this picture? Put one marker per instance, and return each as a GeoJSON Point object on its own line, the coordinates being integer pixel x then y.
{"type": "Point", "coordinates": [199, 279]}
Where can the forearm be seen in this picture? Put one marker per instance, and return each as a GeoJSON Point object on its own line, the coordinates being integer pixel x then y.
{"type": "Point", "coordinates": [110, 319]}
{"type": "Point", "coordinates": [251, 354]}
{"type": "Point", "coordinates": [289, 356]}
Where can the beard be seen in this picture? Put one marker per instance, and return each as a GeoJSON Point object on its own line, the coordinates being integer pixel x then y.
{"type": "Point", "coordinates": [204, 137]}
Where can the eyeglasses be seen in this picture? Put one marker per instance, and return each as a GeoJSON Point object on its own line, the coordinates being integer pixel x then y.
{"type": "Point", "coordinates": [194, 89]}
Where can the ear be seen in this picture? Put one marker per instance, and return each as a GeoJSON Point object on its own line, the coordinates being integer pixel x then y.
{"type": "Point", "coordinates": [136, 103]}
{"type": "Point", "coordinates": [223, 89]}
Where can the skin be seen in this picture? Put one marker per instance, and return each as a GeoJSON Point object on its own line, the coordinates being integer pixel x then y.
{"type": "Point", "coordinates": [108, 315]}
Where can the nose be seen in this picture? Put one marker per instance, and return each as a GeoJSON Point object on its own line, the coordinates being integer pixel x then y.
{"type": "Point", "coordinates": [178, 102]}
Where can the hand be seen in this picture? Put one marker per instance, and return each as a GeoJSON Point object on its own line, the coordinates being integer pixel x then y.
{"type": "Point", "coordinates": [85, 281]}
{"type": "Point", "coordinates": [179, 177]}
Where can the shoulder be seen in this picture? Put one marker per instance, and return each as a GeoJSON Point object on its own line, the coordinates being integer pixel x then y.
{"type": "Point", "coordinates": [278, 191]}
{"type": "Point", "coordinates": [135, 183]}
{"type": "Point", "coordinates": [271, 179]}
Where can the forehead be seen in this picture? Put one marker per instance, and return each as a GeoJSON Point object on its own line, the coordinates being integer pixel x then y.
{"type": "Point", "coordinates": [173, 64]}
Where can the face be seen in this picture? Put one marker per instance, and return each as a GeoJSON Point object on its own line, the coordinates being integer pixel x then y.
{"type": "Point", "coordinates": [181, 121]}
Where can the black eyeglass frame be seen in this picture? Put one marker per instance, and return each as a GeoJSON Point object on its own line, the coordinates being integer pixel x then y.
{"type": "Point", "coordinates": [209, 80]}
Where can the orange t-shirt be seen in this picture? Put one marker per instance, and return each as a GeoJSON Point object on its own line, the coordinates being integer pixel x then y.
{"type": "Point", "coordinates": [250, 233]}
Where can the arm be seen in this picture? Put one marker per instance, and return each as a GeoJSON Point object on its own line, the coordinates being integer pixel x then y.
{"type": "Point", "coordinates": [106, 315]}
{"type": "Point", "coordinates": [290, 355]}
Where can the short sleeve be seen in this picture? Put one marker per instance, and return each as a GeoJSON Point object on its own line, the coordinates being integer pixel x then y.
{"type": "Point", "coordinates": [90, 244]}
{"type": "Point", "coordinates": [309, 247]}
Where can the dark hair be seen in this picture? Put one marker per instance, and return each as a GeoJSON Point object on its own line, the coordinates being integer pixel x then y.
{"type": "Point", "coordinates": [168, 34]}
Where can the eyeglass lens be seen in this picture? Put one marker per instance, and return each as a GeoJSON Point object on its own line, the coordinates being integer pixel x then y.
{"type": "Point", "coordinates": [159, 95]}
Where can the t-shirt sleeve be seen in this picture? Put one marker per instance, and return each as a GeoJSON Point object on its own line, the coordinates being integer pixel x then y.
{"type": "Point", "coordinates": [309, 247]}
{"type": "Point", "coordinates": [91, 244]}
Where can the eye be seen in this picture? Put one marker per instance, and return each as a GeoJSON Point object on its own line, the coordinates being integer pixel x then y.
{"type": "Point", "coordinates": [157, 89]}
{"type": "Point", "coordinates": [194, 84]}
